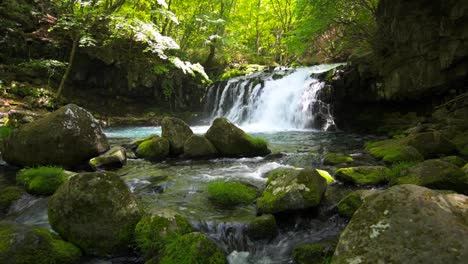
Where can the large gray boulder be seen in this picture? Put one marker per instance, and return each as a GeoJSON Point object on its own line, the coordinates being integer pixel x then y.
{"type": "Point", "coordinates": [232, 141]}
{"type": "Point", "coordinates": [177, 132]}
{"type": "Point", "coordinates": [96, 212]}
{"type": "Point", "coordinates": [67, 137]}
{"type": "Point", "coordinates": [407, 224]}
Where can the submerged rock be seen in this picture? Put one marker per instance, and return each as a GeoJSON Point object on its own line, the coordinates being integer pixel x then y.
{"type": "Point", "coordinates": [407, 224]}
{"type": "Point", "coordinates": [67, 137]}
{"type": "Point", "coordinates": [435, 174]}
{"type": "Point", "coordinates": [192, 248]}
{"type": "Point", "coordinates": [96, 212]}
{"type": "Point", "coordinates": [232, 141]}
{"type": "Point", "coordinates": [21, 244]}
{"type": "Point", "coordinates": [115, 158]}
{"type": "Point", "coordinates": [289, 189]}
{"type": "Point", "coordinates": [176, 132]}
{"type": "Point", "coordinates": [154, 149]}
{"type": "Point", "coordinates": [199, 147]}
{"type": "Point", "coordinates": [262, 227]}
{"type": "Point", "coordinates": [363, 174]}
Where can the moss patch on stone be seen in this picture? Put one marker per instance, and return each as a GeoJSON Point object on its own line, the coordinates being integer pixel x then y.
{"type": "Point", "coordinates": [326, 176]}
{"type": "Point", "coordinates": [230, 193]}
{"type": "Point", "coordinates": [455, 160]}
{"type": "Point", "coordinates": [313, 253]}
{"type": "Point", "coordinates": [42, 180]}
{"type": "Point", "coordinates": [350, 203]}
{"type": "Point", "coordinates": [155, 149]}
{"type": "Point", "coordinates": [336, 158]}
{"type": "Point", "coordinates": [193, 248]}
{"type": "Point", "coordinates": [363, 174]}
{"type": "Point", "coordinates": [9, 195]}
{"type": "Point", "coordinates": [262, 227]}
{"type": "Point", "coordinates": [393, 151]}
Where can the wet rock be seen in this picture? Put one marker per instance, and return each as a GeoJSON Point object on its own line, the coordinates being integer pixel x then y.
{"type": "Point", "coordinates": [262, 227]}
{"type": "Point", "coordinates": [363, 174]}
{"type": "Point", "coordinates": [8, 196]}
{"type": "Point", "coordinates": [21, 244]}
{"type": "Point", "coordinates": [348, 205]}
{"type": "Point", "coordinates": [115, 158]}
{"type": "Point", "coordinates": [313, 253]}
{"type": "Point", "coordinates": [96, 212]}
{"type": "Point", "coordinates": [232, 141]}
{"type": "Point", "coordinates": [176, 132]}
{"type": "Point", "coordinates": [336, 158]}
{"type": "Point", "coordinates": [289, 189]}
{"type": "Point", "coordinates": [67, 137]}
{"type": "Point", "coordinates": [435, 174]}
{"type": "Point", "coordinates": [407, 224]}
{"type": "Point", "coordinates": [155, 149]}
{"type": "Point", "coordinates": [199, 147]}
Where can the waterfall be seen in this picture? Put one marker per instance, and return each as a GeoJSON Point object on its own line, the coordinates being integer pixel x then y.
{"type": "Point", "coordinates": [274, 100]}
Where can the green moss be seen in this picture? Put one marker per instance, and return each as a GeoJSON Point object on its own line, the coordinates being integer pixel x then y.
{"type": "Point", "coordinates": [363, 174]}
{"type": "Point", "coordinates": [335, 158]}
{"type": "Point", "coordinates": [326, 176]}
{"type": "Point", "coordinates": [393, 151]}
{"type": "Point", "coordinates": [152, 233]}
{"type": "Point", "coordinates": [230, 193]}
{"type": "Point", "coordinates": [155, 149]}
{"type": "Point", "coordinates": [5, 131]}
{"type": "Point", "coordinates": [42, 180]}
{"type": "Point", "coordinates": [193, 248]}
{"type": "Point", "coordinates": [465, 168]}
{"type": "Point", "coordinates": [8, 195]}
{"type": "Point", "coordinates": [348, 205]}
{"type": "Point", "coordinates": [262, 227]}
{"type": "Point", "coordinates": [316, 253]}
{"type": "Point", "coordinates": [399, 169]}
{"type": "Point", "coordinates": [455, 160]}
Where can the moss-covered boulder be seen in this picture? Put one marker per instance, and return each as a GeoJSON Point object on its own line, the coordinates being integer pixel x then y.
{"type": "Point", "coordinates": [289, 189]}
{"type": "Point", "coordinates": [262, 227]}
{"type": "Point", "coordinates": [67, 137]}
{"type": "Point", "coordinates": [96, 212]}
{"type": "Point", "coordinates": [21, 244]}
{"type": "Point", "coordinates": [435, 174]}
{"type": "Point", "coordinates": [336, 158]}
{"type": "Point", "coordinates": [230, 193]}
{"type": "Point", "coordinates": [114, 158]}
{"type": "Point", "coordinates": [363, 174]}
{"type": "Point", "coordinates": [393, 227]}
{"type": "Point", "coordinates": [42, 180]}
{"type": "Point", "coordinates": [326, 175]}
{"type": "Point", "coordinates": [465, 168]}
{"type": "Point", "coordinates": [455, 160]}
{"type": "Point", "coordinates": [313, 253]}
{"type": "Point", "coordinates": [232, 141]}
{"type": "Point", "coordinates": [8, 196]}
{"type": "Point", "coordinates": [177, 132]}
{"type": "Point", "coordinates": [192, 248]}
{"type": "Point", "coordinates": [155, 149]}
{"type": "Point", "coordinates": [348, 205]}
{"type": "Point", "coordinates": [393, 151]}
{"type": "Point", "coordinates": [197, 147]}
{"type": "Point", "coordinates": [431, 144]}
{"type": "Point", "coordinates": [154, 232]}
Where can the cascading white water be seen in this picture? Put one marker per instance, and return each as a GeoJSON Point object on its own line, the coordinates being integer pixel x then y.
{"type": "Point", "coordinates": [262, 102]}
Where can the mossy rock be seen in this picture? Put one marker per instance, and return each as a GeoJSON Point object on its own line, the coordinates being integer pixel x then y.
{"type": "Point", "coordinates": [335, 158]}
{"type": "Point", "coordinates": [431, 144]}
{"type": "Point", "coordinates": [115, 158]}
{"type": "Point", "coordinates": [153, 232]}
{"type": "Point", "coordinates": [363, 174]}
{"type": "Point", "coordinates": [199, 147]}
{"type": "Point", "coordinates": [262, 227]}
{"type": "Point", "coordinates": [228, 194]}
{"type": "Point", "coordinates": [289, 189]}
{"type": "Point", "coordinates": [8, 196]}
{"type": "Point", "coordinates": [436, 174]}
{"type": "Point", "coordinates": [42, 180]}
{"type": "Point", "coordinates": [232, 141]}
{"type": "Point", "coordinates": [67, 137]}
{"type": "Point", "coordinates": [455, 160]}
{"type": "Point", "coordinates": [176, 132]}
{"type": "Point", "coordinates": [348, 205]}
{"type": "Point", "coordinates": [193, 248]}
{"type": "Point", "coordinates": [393, 227]}
{"type": "Point", "coordinates": [155, 149]}
{"type": "Point", "coordinates": [96, 212]}
{"type": "Point", "coordinates": [313, 253]}
{"type": "Point", "coordinates": [393, 151]}
{"type": "Point", "coordinates": [326, 176]}
{"type": "Point", "coordinates": [21, 244]}
{"type": "Point", "coordinates": [465, 168]}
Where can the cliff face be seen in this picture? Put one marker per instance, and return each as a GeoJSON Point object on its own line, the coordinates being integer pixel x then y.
{"type": "Point", "coordinates": [421, 47]}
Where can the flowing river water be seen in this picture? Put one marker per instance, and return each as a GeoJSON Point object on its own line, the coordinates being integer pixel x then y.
{"type": "Point", "coordinates": [283, 112]}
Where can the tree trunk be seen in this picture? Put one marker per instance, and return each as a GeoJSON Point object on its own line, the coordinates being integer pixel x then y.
{"type": "Point", "coordinates": [69, 66]}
